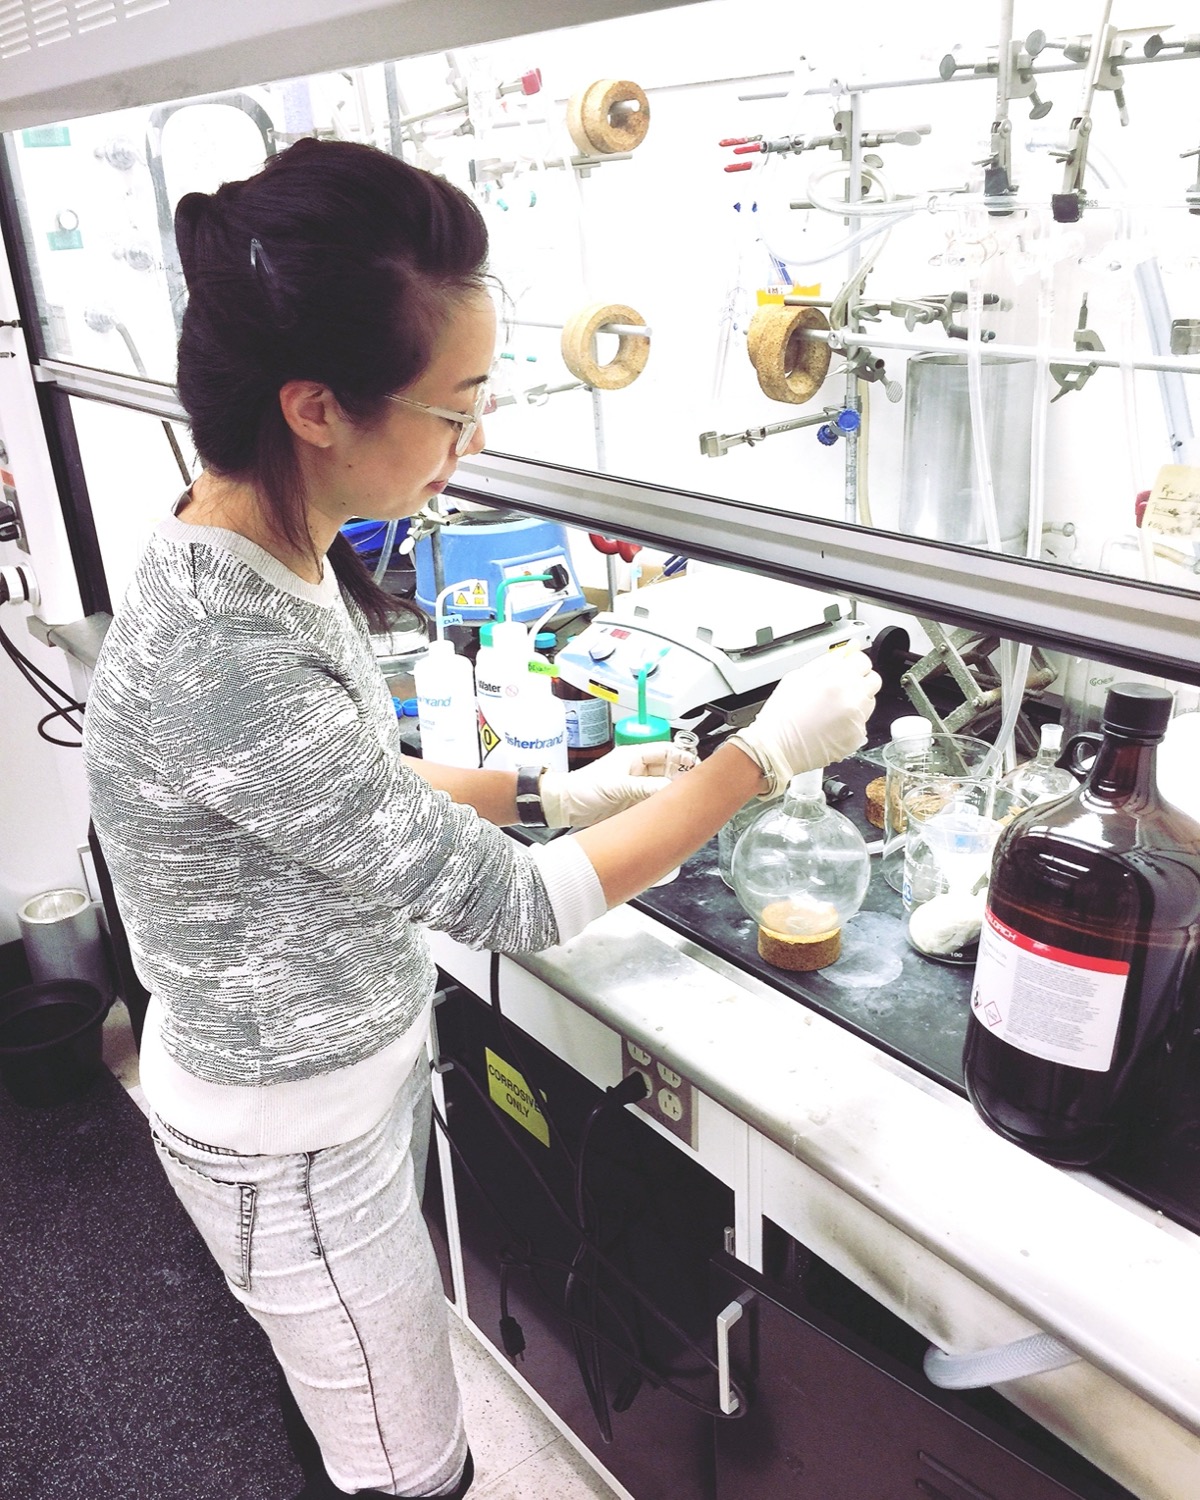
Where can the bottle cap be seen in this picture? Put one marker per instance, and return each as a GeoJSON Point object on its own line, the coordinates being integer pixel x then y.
{"type": "Point", "coordinates": [1138, 708]}
{"type": "Point", "coordinates": [1052, 737]}
{"type": "Point", "coordinates": [508, 636]}
{"type": "Point", "coordinates": [485, 633]}
{"type": "Point", "coordinates": [912, 727]}
{"type": "Point", "coordinates": [635, 731]}
{"type": "Point", "coordinates": [406, 708]}
{"type": "Point", "coordinates": [545, 640]}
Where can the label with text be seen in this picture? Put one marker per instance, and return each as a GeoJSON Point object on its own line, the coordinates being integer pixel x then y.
{"type": "Point", "coordinates": [1060, 1006]}
{"type": "Point", "coordinates": [510, 1092]}
{"type": "Point", "coordinates": [1174, 505]}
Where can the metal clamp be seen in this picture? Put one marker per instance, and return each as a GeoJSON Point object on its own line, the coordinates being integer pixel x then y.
{"type": "Point", "coordinates": [717, 444]}
{"type": "Point", "coordinates": [1074, 377]}
{"type": "Point", "coordinates": [937, 308]}
{"type": "Point", "coordinates": [864, 364]}
{"type": "Point", "coordinates": [841, 141]}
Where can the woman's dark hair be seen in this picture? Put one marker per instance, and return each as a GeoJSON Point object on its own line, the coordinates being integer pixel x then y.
{"type": "Point", "coordinates": [336, 263]}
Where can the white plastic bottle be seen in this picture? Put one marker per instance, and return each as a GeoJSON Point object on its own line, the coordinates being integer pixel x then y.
{"type": "Point", "coordinates": [500, 669]}
{"type": "Point", "coordinates": [446, 712]}
{"type": "Point", "coordinates": [533, 724]}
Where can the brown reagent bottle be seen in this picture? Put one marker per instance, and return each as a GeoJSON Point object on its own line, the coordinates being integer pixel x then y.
{"type": "Point", "coordinates": [1085, 993]}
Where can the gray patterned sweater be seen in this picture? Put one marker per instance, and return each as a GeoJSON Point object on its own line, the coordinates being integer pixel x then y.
{"type": "Point", "coordinates": [272, 855]}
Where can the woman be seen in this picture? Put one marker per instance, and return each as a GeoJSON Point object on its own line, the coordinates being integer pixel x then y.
{"type": "Point", "coordinates": [273, 854]}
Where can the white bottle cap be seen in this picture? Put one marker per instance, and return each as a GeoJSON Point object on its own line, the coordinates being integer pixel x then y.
{"type": "Point", "coordinates": [912, 727]}
{"type": "Point", "coordinates": [510, 636]}
{"type": "Point", "coordinates": [1052, 737]}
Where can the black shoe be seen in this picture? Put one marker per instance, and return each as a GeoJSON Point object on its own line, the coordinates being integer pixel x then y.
{"type": "Point", "coordinates": [321, 1487]}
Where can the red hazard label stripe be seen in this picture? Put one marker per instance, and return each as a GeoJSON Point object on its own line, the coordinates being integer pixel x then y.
{"type": "Point", "coordinates": [1057, 955]}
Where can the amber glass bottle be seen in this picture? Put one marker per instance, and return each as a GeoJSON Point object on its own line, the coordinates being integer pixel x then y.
{"type": "Point", "coordinates": [1085, 990]}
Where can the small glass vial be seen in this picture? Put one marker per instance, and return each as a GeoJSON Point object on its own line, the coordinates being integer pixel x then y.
{"type": "Point", "coordinates": [682, 739]}
{"type": "Point", "coordinates": [1040, 779]}
{"type": "Point", "coordinates": [801, 871]}
{"type": "Point", "coordinates": [908, 750]}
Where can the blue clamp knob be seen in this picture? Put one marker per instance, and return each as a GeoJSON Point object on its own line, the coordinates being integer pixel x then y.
{"type": "Point", "coordinates": [846, 421]}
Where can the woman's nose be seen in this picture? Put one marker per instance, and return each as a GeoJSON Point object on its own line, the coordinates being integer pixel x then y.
{"type": "Point", "coordinates": [478, 441]}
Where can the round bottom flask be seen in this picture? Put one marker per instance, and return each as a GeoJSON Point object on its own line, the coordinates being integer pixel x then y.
{"type": "Point", "coordinates": [801, 871]}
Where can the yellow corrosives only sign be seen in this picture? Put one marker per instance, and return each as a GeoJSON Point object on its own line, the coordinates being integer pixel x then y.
{"type": "Point", "coordinates": [512, 1094]}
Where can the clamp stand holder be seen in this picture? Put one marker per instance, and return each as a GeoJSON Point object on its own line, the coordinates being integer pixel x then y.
{"type": "Point", "coordinates": [1074, 377]}
{"type": "Point", "coordinates": [966, 655]}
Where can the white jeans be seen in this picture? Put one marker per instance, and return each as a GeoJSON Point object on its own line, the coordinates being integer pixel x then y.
{"type": "Point", "coordinates": [329, 1253]}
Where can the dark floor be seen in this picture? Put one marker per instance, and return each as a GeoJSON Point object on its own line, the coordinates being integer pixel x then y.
{"type": "Point", "coordinates": [127, 1371]}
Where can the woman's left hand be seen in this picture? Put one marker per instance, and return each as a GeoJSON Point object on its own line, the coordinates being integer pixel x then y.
{"type": "Point", "coordinates": [625, 776]}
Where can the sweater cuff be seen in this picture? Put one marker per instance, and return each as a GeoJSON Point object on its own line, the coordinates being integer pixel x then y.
{"type": "Point", "coordinates": [576, 895]}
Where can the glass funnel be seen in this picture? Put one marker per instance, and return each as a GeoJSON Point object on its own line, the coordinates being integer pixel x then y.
{"type": "Point", "coordinates": [801, 871]}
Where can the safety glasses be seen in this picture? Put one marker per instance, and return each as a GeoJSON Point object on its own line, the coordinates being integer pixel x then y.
{"type": "Point", "coordinates": [467, 422]}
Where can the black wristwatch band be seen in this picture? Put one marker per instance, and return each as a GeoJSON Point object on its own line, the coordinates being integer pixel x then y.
{"type": "Point", "coordinates": [529, 797]}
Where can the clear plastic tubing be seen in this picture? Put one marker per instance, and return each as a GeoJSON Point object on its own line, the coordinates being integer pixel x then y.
{"type": "Point", "coordinates": [964, 1372]}
{"type": "Point", "coordinates": [1155, 309]}
{"type": "Point", "coordinates": [983, 467]}
{"type": "Point", "coordinates": [1012, 681]}
{"type": "Point", "coordinates": [843, 247]}
{"type": "Point", "coordinates": [1132, 440]}
{"type": "Point", "coordinates": [1041, 407]}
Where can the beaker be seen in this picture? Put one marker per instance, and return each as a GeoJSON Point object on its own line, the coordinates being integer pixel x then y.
{"type": "Point", "coordinates": [952, 826]}
{"type": "Point", "coordinates": [909, 761]}
{"type": "Point", "coordinates": [939, 486]}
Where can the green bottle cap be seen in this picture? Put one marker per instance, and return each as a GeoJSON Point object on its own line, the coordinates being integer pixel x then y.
{"type": "Point", "coordinates": [642, 728]}
{"type": "Point", "coordinates": [635, 731]}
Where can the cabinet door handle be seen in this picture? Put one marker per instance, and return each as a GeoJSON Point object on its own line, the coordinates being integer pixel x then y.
{"type": "Point", "coordinates": [725, 1321]}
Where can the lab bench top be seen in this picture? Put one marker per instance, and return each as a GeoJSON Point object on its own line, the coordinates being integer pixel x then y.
{"type": "Point", "coordinates": [855, 1074]}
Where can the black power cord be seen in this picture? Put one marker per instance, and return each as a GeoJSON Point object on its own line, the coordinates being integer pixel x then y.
{"type": "Point", "coordinates": [534, 1263]}
{"type": "Point", "coordinates": [39, 682]}
{"type": "Point", "coordinates": [591, 1248]}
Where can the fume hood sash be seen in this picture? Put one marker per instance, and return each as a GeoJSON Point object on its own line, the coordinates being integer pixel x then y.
{"type": "Point", "coordinates": [90, 58]}
{"type": "Point", "coordinates": [1140, 626]}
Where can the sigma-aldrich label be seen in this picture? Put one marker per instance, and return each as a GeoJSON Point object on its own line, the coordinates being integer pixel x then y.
{"type": "Point", "coordinates": [1060, 1006]}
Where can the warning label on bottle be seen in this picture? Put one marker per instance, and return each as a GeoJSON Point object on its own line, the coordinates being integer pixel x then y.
{"type": "Point", "coordinates": [589, 723]}
{"type": "Point", "coordinates": [1060, 1006]}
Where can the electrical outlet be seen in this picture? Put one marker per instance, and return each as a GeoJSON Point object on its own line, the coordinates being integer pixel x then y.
{"type": "Point", "coordinates": [671, 1099]}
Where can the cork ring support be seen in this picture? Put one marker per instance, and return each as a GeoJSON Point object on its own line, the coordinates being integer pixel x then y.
{"type": "Point", "coordinates": [790, 367]}
{"type": "Point", "coordinates": [608, 116]}
{"type": "Point", "coordinates": [579, 357]}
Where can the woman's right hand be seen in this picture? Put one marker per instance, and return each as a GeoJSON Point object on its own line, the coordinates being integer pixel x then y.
{"type": "Point", "coordinates": [816, 715]}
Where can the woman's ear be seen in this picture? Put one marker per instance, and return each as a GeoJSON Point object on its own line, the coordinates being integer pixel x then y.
{"type": "Point", "coordinates": [311, 411]}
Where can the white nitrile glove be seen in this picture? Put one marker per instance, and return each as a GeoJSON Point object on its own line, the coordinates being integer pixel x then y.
{"type": "Point", "coordinates": [816, 715]}
{"type": "Point", "coordinates": [626, 775]}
